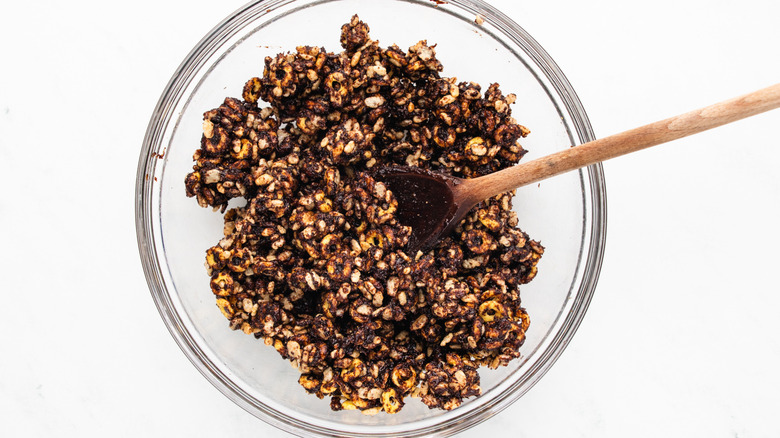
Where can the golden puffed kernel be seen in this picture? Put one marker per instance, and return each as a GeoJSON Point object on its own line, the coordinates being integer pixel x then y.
{"type": "Point", "coordinates": [404, 377]}
{"type": "Point", "coordinates": [489, 217]}
{"type": "Point", "coordinates": [339, 268]}
{"type": "Point", "coordinates": [208, 128]}
{"type": "Point", "coordinates": [329, 388]}
{"type": "Point", "coordinates": [330, 244]}
{"type": "Point", "coordinates": [373, 238]}
{"type": "Point", "coordinates": [451, 404]}
{"type": "Point", "coordinates": [240, 260]}
{"type": "Point", "coordinates": [525, 320]}
{"type": "Point", "coordinates": [241, 149]}
{"type": "Point", "coordinates": [216, 257]}
{"type": "Point", "coordinates": [325, 206]}
{"type": "Point", "coordinates": [476, 148]}
{"type": "Point", "coordinates": [479, 241]}
{"type": "Point", "coordinates": [251, 92]}
{"type": "Point", "coordinates": [490, 310]}
{"type": "Point", "coordinates": [444, 136]}
{"type": "Point", "coordinates": [348, 405]}
{"type": "Point", "coordinates": [355, 370]}
{"type": "Point", "coordinates": [354, 404]}
{"type": "Point", "coordinates": [391, 402]}
{"type": "Point", "coordinates": [249, 329]}
{"type": "Point", "coordinates": [338, 88]}
{"type": "Point", "coordinates": [222, 284]}
{"type": "Point", "coordinates": [225, 307]}
{"type": "Point", "coordinates": [310, 383]}
{"type": "Point", "coordinates": [282, 76]}
{"type": "Point", "coordinates": [217, 143]}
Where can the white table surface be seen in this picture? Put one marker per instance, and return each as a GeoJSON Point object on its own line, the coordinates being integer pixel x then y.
{"type": "Point", "coordinates": [681, 338]}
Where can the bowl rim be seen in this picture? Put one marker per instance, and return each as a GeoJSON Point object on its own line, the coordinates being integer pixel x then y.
{"type": "Point", "coordinates": [148, 240]}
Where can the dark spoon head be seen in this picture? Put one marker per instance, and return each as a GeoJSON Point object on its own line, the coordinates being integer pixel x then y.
{"type": "Point", "coordinates": [425, 203]}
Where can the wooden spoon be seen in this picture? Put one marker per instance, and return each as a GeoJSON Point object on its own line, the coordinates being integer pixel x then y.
{"type": "Point", "coordinates": [433, 204]}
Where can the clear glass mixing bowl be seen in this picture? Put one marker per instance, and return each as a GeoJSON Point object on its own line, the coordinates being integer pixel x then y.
{"type": "Point", "coordinates": [566, 213]}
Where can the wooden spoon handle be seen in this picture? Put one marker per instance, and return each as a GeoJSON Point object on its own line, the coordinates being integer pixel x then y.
{"type": "Point", "coordinates": [626, 142]}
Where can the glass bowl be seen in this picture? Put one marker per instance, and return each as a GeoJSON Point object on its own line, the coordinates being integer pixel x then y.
{"type": "Point", "coordinates": [566, 213]}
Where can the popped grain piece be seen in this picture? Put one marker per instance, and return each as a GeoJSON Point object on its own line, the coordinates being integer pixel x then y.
{"type": "Point", "coordinates": [315, 263]}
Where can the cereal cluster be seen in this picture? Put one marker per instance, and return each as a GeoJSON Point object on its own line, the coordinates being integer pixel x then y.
{"type": "Point", "coordinates": [315, 262]}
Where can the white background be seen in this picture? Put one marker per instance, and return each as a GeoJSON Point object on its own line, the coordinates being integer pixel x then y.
{"type": "Point", "coordinates": [681, 338]}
